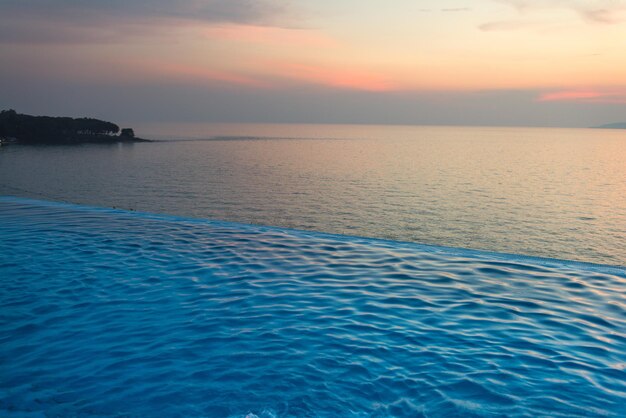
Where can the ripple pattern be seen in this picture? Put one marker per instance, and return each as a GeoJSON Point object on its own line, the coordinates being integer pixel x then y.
{"type": "Point", "coordinates": [114, 313]}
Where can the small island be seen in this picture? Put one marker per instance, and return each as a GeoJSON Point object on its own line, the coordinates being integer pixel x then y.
{"type": "Point", "coordinates": [28, 129]}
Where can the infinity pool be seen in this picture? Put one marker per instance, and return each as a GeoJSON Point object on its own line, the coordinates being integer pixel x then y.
{"type": "Point", "coordinates": [114, 313]}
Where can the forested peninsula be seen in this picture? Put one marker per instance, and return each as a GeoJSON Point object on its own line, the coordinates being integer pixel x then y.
{"type": "Point", "coordinates": [27, 129]}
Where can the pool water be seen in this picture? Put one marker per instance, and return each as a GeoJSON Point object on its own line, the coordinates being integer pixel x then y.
{"type": "Point", "coordinates": [114, 313]}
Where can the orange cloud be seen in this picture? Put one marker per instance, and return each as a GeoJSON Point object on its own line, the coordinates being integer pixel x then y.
{"type": "Point", "coordinates": [585, 96]}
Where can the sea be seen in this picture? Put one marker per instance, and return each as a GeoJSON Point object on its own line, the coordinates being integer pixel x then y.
{"type": "Point", "coordinates": [556, 193]}
{"type": "Point", "coordinates": [282, 271]}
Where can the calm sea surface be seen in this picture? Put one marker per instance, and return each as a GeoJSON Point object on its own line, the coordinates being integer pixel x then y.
{"type": "Point", "coordinates": [546, 192]}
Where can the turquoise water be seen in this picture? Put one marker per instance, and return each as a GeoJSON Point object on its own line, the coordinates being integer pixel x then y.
{"type": "Point", "coordinates": [557, 193]}
{"type": "Point", "coordinates": [114, 313]}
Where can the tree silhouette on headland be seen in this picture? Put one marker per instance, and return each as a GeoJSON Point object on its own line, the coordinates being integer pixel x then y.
{"type": "Point", "coordinates": [45, 129]}
{"type": "Point", "coordinates": [127, 133]}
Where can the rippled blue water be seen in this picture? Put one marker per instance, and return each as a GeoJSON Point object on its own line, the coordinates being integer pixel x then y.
{"type": "Point", "coordinates": [114, 313]}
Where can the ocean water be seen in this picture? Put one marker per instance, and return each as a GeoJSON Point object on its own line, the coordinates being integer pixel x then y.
{"type": "Point", "coordinates": [545, 192]}
{"type": "Point", "coordinates": [114, 313]}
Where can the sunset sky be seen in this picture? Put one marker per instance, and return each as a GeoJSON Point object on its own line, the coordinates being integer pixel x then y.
{"type": "Point", "coordinates": [478, 62]}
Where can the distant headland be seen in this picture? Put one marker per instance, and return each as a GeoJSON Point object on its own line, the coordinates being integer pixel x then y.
{"type": "Point", "coordinates": [26, 129]}
{"type": "Point", "coordinates": [612, 126]}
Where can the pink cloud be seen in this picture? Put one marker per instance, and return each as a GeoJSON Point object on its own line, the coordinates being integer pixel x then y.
{"type": "Point", "coordinates": [586, 96]}
{"type": "Point", "coordinates": [267, 75]}
{"type": "Point", "coordinates": [343, 78]}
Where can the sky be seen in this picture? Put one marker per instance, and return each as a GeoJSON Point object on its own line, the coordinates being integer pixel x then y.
{"type": "Point", "coordinates": [441, 62]}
